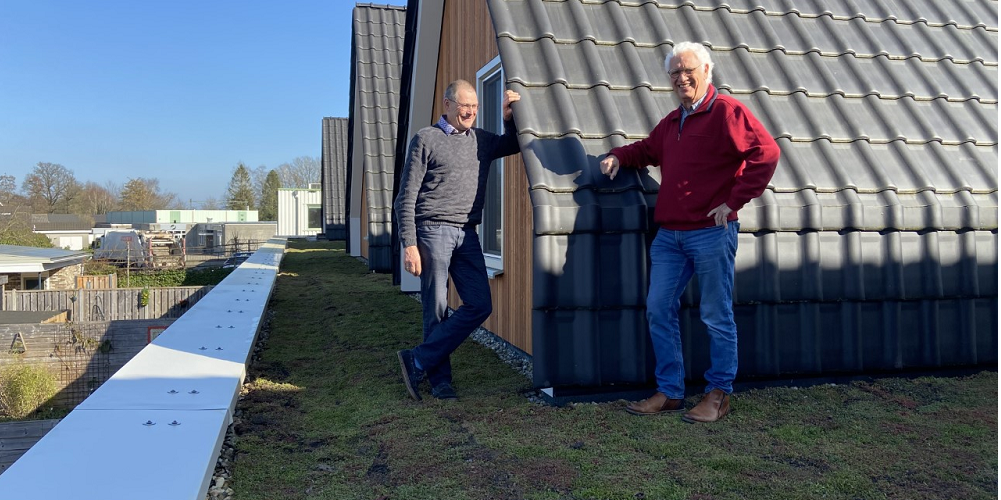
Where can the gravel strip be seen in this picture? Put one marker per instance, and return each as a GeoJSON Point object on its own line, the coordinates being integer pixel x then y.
{"type": "Point", "coordinates": [218, 488]}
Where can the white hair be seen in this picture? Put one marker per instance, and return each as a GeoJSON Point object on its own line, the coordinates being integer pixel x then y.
{"type": "Point", "coordinates": [695, 48]}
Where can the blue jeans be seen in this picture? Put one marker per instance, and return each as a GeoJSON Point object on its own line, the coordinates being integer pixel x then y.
{"type": "Point", "coordinates": [455, 251]}
{"type": "Point", "coordinates": [674, 257]}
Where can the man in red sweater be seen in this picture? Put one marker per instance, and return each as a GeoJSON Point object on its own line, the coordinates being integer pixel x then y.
{"type": "Point", "coordinates": [715, 156]}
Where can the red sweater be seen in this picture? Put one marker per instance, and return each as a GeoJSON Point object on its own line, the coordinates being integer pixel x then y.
{"type": "Point", "coordinates": [722, 155]}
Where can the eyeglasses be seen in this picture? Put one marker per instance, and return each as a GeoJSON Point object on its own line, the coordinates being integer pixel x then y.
{"type": "Point", "coordinates": [465, 107]}
{"type": "Point", "coordinates": [675, 73]}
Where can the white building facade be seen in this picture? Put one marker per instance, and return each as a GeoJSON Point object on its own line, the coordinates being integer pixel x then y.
{"type": "Point", "coordinates": [300, 211]}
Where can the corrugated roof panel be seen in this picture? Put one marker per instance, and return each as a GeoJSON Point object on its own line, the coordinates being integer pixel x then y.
{"type": "Point", "coordinates": [589, 347]}
{"type": "Point", "coordinates": [580, 111]}
{"type": "Point", "coordinates": [861, 265]}
{"type": "Point", "coordinates": [378, 41]}
{"type": "Point", "coordinates": [886, 191]}
{"type": "Point", "coordinates": [909, 167]}
{"type": "Point", "coordinates": [964, 13]}
{"type": "Point", "coordinates": [742, 71]}
{"type": "Point", "coordinates": [886, 210]}
{"type": "Point", "coordinates": [877, 120]}
{"type": "Point", "coordinates": [585, 64]}
{"type": "Point", "coordinates": [334, 160]}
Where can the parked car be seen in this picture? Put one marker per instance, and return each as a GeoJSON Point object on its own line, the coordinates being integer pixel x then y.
{"type": "Point", "coordinates": [236, 259]}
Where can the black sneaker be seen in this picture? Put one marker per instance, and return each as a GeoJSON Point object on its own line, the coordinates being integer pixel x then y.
{"type": "Point", "coordinates": [411, 375]}
{"type": "Point", "coordinates": [444, 390]}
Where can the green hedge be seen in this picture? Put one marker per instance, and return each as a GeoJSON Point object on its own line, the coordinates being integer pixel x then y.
{"type": "Point", "coordinates": [172, 277]}
{"type": "Point", "coordinates": [24, 389]}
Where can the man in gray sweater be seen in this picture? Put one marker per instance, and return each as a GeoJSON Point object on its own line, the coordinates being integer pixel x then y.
{"type": "Point", "coordinates": [438, 208]}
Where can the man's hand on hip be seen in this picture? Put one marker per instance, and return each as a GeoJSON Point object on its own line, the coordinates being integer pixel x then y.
{"type": "Point", "coordinates": [412, 260]}
{"type": "Point", "coordinates": [719, 214]}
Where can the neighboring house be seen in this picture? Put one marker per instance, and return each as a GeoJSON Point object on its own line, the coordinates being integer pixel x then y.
{"type": "Point", "coordinates": [334, 164]}
{"type": "Point", "coordinates": [226, 238]}
{"type": "Point", "coordinates": [152, 219]}
{"type": "Point", "coordinates": [376, 53]}
{"type": "Point", "coordinates": [873, 249]}
{"type": "Point", "coordinates": [300, 211]}
{"type": "Point", "coordinates": [30, 268]}
{"type": "Point", "coordinates": [67, 231]}
{"type": "Point", "coordinates": [180, 223]}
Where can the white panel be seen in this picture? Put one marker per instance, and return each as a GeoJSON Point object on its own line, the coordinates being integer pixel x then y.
{"type": "Point", "coordinates": [286, 213]}
{"type": "Point", "coordinates": [355, 229]}
{"type": "Point", "coordinates": [112, 455]}
{"type": "Point", "coordinates": [189, 376]}
{"type": "Point", "coordinates": [293, 211]}
{"type": "Point", "coordinates": [163, 378]}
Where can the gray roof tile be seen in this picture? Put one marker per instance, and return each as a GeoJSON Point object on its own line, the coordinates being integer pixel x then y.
{"type": "Point", "coordinates": [378, 33]}
{"type": "Point", "coordinates": [886, 114]}
{"type": "Point", "coordinates": [334, 163]}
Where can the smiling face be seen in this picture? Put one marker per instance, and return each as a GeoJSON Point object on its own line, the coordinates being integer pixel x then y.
{"type": "Point", "coordinates": [688, 76]}
{"type": "Point", "coordinates": [461, 113]}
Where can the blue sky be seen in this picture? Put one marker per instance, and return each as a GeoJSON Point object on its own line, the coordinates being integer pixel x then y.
{"type": "Point", "coordinates": [179, 90]}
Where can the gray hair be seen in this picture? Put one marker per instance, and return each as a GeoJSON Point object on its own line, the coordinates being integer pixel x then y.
{"type": "Point", "coordinates": [695, 48]}
{"type": "Point", "coordinates": [453, 88]}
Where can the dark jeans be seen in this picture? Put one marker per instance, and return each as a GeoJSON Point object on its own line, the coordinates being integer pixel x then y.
{"type": "Point", "coordinates": [455, 251]}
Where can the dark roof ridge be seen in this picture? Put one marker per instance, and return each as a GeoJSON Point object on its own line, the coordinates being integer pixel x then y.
{"type": "Point", "coordinates": [382, 6]}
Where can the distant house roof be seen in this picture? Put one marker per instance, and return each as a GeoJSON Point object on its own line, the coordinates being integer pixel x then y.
{"type": "Point", "coordinates": [60, 222]}
{"type": "Point", "coordinates": [32, 317]}
{"type": "Point", "coordinates": [18, 259]}
{"type": "Point", "coordinates": [378, 36]}
{"type": "Point", "coordinates": [886, 190]}
{"type": "Point", "coordinates": [334, 164]}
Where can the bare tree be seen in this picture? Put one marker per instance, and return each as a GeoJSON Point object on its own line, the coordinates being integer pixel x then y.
{"type": "Point", "coordinates": [15, 229]}
{"type": "Point", "coordinates": [50, 187]}
{"type": "Point", "coordinates": [302, 172]}
{"type": "Point", "coordinates": [257, 178]}
{"type": "Point", "coordinates": [95, 199]}
{"type": "Point", "coordinates": [10, 200]}
{"type": "Point", "coordinates": [144, 194]}
{"type": "Point", "coordinates": [210, 203]}
{"type": "Point", "coordinates": [8, 188]}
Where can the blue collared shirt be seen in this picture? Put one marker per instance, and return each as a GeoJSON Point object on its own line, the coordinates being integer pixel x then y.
{"type": "Point", "coordinates": [685, 111]}
{"type": "Point", "coordinates": [448, 128]}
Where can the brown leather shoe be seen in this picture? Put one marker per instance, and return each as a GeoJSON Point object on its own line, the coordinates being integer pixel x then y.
{"type": "Point", "coordinates": [714, 406]}
{"type": "Point", "coordinates": [655, 405]}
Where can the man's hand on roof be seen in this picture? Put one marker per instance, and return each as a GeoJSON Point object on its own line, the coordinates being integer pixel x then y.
{"type": "Point", "coordinates": [610, 166]}
{"type": "Point", "coordinates": [510, 97]}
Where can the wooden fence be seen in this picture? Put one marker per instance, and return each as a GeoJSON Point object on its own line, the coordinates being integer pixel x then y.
{"type": "Point", "coordinates": [80, 355]}
{"type": "Point", "coordinates": [17, 437]}
{"type": "Point", "coordinates": [97, 281]}
{"type": "Point", "coordinates": [95, 305]}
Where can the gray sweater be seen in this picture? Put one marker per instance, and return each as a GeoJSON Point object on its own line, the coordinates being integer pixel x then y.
{"type": "Point", "coordinates": [445, 176]}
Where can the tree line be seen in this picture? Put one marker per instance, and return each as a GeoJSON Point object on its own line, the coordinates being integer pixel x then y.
{"type": "Point", "coordinates": [51, 188]}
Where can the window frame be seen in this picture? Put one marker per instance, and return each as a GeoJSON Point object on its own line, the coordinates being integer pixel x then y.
{"type": "Point", "coordinates": [490, 70]}
{"type": "Point", "coordinates": [309, 207]}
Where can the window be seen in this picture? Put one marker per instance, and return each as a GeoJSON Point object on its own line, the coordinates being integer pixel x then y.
{"type": "Point", "coordinates": [490, 90]}
{"type": "Point", "coordinates": [36, 283]}
{"type": "Point", "coordinates": [313, 219]}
